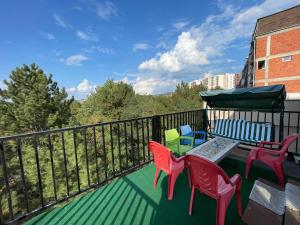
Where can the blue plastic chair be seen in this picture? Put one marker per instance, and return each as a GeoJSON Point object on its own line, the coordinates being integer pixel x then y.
{"type": "Point", "coordinates": [199, 136]}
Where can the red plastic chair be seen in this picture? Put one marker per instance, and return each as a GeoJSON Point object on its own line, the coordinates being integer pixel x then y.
{"type": "Point", "coordinates": [211, 180]}
{"type": "Point", "coordinates": [165, 161]}
{"type": "Point", "coordinates": [272, 158]}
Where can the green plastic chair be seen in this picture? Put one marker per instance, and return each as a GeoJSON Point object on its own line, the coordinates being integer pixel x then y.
{"type": "Point", "coordinates": [173, 142]}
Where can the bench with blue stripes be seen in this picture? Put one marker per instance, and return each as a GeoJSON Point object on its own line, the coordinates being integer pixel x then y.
{"type": "Point", "coordinates": [243, 130]}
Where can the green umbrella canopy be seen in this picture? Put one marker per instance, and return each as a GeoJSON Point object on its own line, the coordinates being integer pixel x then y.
{"type": "Point", "coordinates": [265, 99]}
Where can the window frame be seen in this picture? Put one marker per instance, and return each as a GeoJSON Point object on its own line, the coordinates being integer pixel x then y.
{"type": "Point", "coordinates": [263, 66]}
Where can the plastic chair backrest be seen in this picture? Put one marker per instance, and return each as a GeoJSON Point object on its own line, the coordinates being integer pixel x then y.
{"type": "Point", "coordinates": [171, 135]}
{"type": "Point", "coordinates": [162, 156]}
{"type": "Point", "coordinates": [286, 143]}
{"type": "Point", "coordinates": [204, 174]}
{"type": "Point", "coordinates": [186, 130]}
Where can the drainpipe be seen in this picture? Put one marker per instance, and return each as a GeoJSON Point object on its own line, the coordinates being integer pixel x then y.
{"type": "Point", "coordinates": [254, 53]}
{"type": "Point", "coordinates": [254, 62]}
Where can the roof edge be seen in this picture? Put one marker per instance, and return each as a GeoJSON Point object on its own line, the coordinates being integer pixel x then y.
{"type": "Point", "coordinates": [273, 31]}
{"type": "Point", "coordinates": [277, 12]}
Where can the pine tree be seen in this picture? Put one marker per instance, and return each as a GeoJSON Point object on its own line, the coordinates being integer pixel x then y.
{"type": "Point", "coordinates": [32, 101]}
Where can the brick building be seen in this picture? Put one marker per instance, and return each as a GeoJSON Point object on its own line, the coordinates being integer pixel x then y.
{"type": "Point", "coordinates": [276, 51]}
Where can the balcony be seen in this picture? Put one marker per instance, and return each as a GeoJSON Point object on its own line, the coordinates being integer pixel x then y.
{"type": "Point", "coordinates": [133, 200]}
{"type": "Point", "coordinates": [105, 174]}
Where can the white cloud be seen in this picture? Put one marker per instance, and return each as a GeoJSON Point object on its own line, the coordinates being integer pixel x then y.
{"type": "Point", "coordinates": [179, 25]}
{"type": "Point", "coordinates": [82, 90]}
{"type": "Point", "coordinates": [230, 60]}
{"type": "Point", "coordinates": [88, 35]}
{"type": "Point", "coordinates": [2, 85]}
{"type": "Point", "coordinates": [82, 35]}
{"type": "Point", "coordinates": [106, 10]}
{"type": "Point", "coordinates": [266, 8]}
{"type": "Point", "coordinates": [162, 45]}
{"type": "Point", "coordinates": [125, 80]}
{"type": "Point", "coordinates": [57, 52]}
{"type": "Point", "coordinates": [99, 49]}
{"type": "Point", "coordinates": [74, 60]}
{"type": "Point", "coordinates": [152, 85]}
{"type": "Point", "coordinates": [59, 21]}
{"type": "Point", "coordinates": [140, 46]}
{"type": "Point", "coordinates": [48, 36]}
{"type": "Point", "coordinates": [184, 53]}
{"type": "Point", "coordinates": [151, 82]}
{"type": "Point", "coordinates": [85, 86]}
{"type": "Point", "coordinates": [160, 29]}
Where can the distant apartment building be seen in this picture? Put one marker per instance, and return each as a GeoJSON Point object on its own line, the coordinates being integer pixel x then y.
{"type": "Point", "coordinates": [224, 81]}
{"type": "Point", "coordinates": [276, 52]}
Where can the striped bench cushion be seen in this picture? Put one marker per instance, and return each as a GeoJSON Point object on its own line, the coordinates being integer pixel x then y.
{"type": "Point", "coordinates": [243, 130]}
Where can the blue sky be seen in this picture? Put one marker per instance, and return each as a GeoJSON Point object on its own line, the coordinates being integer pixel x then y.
{"type": "Point", "coordinates": [151, 44]}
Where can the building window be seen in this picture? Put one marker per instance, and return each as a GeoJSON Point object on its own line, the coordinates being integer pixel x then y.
{"type": "Point", "coordinates": [286, 58]}
{"type": "Point", "coordinates": [261, 64]}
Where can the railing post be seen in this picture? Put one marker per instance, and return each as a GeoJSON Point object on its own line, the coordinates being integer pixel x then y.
{"type": "Point", "coordinates": [6, 181]}
{"type": "Point", "coordinates": [273, 128]}
{"type": "Point", "coordinates": [156, 129]}
{"type": "Point", "coordinates": [281, 126]}
{"type": "Point", "coordinates": [205, 121]}
{"type": "Point", "coordinates": [1, 213]}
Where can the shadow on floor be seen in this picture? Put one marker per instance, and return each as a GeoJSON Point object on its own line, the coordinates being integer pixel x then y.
{"type": "Point", "coordinates": [133, 200]}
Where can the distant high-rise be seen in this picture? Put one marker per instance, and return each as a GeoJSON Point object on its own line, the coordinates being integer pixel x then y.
{"type": "Point", "coordinates": [224, 81]}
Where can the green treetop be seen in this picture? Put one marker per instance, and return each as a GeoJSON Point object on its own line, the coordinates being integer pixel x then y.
{"type": "Point", "coordinates": [32, 101]}
{"type": "Point", "coordinates": [187, 97]}
{"type": "Point", "coordinates": [109, 102]}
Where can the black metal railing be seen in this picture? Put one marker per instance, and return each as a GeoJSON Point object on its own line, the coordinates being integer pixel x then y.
{"type": "Point", "coordinates": [284, 123]}
{"type": "Point", "coordinates": [41, 169]}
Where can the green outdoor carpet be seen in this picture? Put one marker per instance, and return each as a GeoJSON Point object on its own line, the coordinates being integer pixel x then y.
{"type": "Point", "coordinates": [133, 200]}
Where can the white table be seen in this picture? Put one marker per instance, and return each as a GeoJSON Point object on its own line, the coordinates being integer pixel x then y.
{"type": "Point", "coordinates": [215, 149]}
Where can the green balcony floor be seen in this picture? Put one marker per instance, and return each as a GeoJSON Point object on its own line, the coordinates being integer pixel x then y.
{"type": "Point", "coordinates": [133, 200]}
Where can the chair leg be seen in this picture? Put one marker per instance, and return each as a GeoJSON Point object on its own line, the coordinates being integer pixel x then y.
{"type": "Point", "coordinates": [239, 202]}
{"type": "Point", "coordinates": [189, 177]}
{"type": "Point", "coordinates": [280, 174]}
{"type": "Point", "coordinates": [248, 166]}
{"type": "Point", "coordinates": [155, 177]}
{"type": "Point", "coordinates": [192, 200]}
{"type": "Point", "coordinates": [170, 195]}
{"type": "Point", "coordinates": [238, 187]}
{"type": "Point", "coordinates": [171, 182]}
{"type": "Point", "coordinates": [251, 157]}
{"type": "Point", "coordinates": [221, 211]}
{"type": "Point", "coordinates": [171, 185]}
